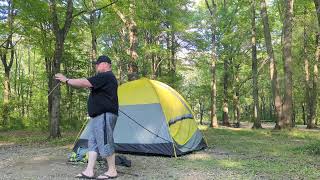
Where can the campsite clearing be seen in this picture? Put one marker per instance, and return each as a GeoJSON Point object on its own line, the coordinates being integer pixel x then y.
{"type": "Point", "coordinates": [232, 154]}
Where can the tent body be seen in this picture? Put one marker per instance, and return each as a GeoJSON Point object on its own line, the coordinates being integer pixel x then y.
{"type": "Point", "coordinates": [153, 119]}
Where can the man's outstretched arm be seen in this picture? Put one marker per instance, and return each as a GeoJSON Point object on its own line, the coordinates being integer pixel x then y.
{"type": "Point", "coordinates": [80, 83]}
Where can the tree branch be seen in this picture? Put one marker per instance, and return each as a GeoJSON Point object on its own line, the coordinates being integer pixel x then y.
{"type": "Point", "coordinates": [122, 16]}
{"type": "Point", "coordinates": [55, 22]}
{"type": "Point", "coordinates": [12, 56]}
{"type": "Point", "coordinates": [317, 5]}
{"type": "Point", "coordinates": [158, 64]}
{"type": "Point", "coordinates": [3, 44]}
{"type": "Point", "coordinates": [209, 8]}
{"type": "Point", "coordinates": [98, 9]}
{"type": "Point", "coordinates": [68, 20]}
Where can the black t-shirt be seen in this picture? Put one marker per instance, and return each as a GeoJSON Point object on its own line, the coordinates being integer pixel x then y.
{"type": "Point", "coordinates": [103, 96]}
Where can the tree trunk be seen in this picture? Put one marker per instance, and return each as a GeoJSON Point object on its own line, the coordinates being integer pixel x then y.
{"type": "Point", "coordinates": [7, 88]}
{"type": "Point", "coordinates": [263, 107]}
{"type": "Point", "coordinates": [293, 123]}
{"type": "Point", "coordinates": [168, 50]}
{"type": "Point", "coordinates": [23, 93]}
{"type": "Point", "coordinates": [314, 93]}
{"type": "Point", "coordinates": [255, 93]}
{"type": "Point", "coordinates": [271, 109]}
{"type": "Point", "coordinates": [93, 44]}
{"type": "Point", "coordinates": [214, 120]}
{"type": "Point", "coordinates": [237, 106]}
{"type": "Point", "coordinates": [16, 74]}
{"type": "Point", "coordinates": [121, 63]}
{"type": "Point", "coordinates": [308, 91]}
{"type": "Point", "coordinates": [286, 121]}
{"type": "Point", "coordinates": [133, 67]}
{"type": "Point", "coordinates": [275, 87]}
{"type": "Point", "coordinates": [303, 114]}
{"type": "Point", "coordinates": [8, 45]}
{"type": "Point", "coordinates": [48, 62]}
{"type": "Point", "coordinates": [201, 109]}
{"type": "Point", "coordinates": [212, 10]}
{"type": "Point", "coordinates": [236, 97]}
{"type": "Point", "coordinates": [60, 35]}
{"type": "Point", "coordinates": [133, 40]}
{"type": "Point", "coordinates": [225, 116]}
{"type": "Point", "coordinates": [93, 25]}
{"type": "Point", "coordinates": [56, 94]}
{"type": "Point", "coordinates": [154, 63]}
{"type": "Point", "coordinates": [173, 52]}
{"type": "Point", "coordinates": [6, 98]}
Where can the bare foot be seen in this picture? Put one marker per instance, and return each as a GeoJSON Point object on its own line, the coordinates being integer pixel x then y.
{"type": "Point", "coordinates": [85, 175]}
{"type": "Point", "coordinates": [108, 175]}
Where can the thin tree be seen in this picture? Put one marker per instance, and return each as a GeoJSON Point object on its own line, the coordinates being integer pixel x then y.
{"type": "Point", "coordinates": [225, 105]}
{"type": "Point", "coordinates": [236, 96]}
{"type": "Point", "coordinates": [311, 117]}
{"type": "Point", "coordinates": [256, 114]}
{"type": "Point", "coordinates": [213, 10]}
{"type": "Point", "coordinates": [92, 22]}
{"type": "Point", "coordinates": [308, 84]}
{"type": "Point", "coordinates": [7, 47]}
{"type": "Point", "coordinates": [133, 38]}
{"type": "Point", "coordinates": [275, 87]}
{"type": "Point", "coordinates": [60, 34]}
{"type": "Point", "coordinates": [286, 121]}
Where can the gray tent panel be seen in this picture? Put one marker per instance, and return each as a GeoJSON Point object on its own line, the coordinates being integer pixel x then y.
{"type": "Point", "coordinates": [195, 143]}
{"type": "Point", "coordinates": [141, 124]}
{"type": "Point", "coordinates": [84, 134]}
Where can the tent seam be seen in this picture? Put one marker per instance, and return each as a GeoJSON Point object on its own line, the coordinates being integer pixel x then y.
{"type": "Point", "coordinates": [173, 142]}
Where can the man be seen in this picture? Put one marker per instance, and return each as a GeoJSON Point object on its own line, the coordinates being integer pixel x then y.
{"type": "Point", "coordinates": [103, 109]}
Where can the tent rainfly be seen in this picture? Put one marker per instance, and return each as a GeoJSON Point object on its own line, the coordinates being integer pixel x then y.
{"type": "Point", "coordinates": [153, 119]}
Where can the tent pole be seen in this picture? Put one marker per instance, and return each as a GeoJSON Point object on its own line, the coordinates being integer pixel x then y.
{"type": "Point", "coordinates": [74, 143]}
{"type": "Point", "coordinates": [204, 137]}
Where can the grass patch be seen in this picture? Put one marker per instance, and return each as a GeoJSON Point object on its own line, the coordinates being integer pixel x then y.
{"type": "Point", "coordinates": [262, 153]}
{"type": "Point", "coordinates": [311, 149]}
{"type": "Point", "coordinates": [36, 138]}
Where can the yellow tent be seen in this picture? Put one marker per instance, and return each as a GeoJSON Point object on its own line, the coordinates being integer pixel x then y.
{"type": "Point", "coordinates": [155, 119]}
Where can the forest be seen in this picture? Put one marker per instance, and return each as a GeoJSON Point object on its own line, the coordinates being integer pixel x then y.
{"type": "Point", "coordinates": [233, 61]}
{"type": "Point", "coordinates": [246, 70]}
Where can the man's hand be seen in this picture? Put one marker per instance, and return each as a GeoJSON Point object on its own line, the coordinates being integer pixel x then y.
{"type": "Point", "coordinates": [61, 77]}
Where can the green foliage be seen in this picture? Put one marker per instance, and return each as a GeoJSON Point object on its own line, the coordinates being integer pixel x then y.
{"type": "Point", "coordinates": [311, 149]}
{"type": "Point", "coordinates": [168, 32]}
{"type": "Point", "coordinates": [172, 79]}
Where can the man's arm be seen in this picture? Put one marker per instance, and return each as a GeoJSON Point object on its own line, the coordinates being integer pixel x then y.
{"type": "Point", "coordinates": [80, 83]}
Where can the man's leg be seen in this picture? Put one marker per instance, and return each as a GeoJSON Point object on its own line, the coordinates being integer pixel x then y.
{"type": "Point", "coordinates": [92, 148]}
{"type": "Point", "coordinates": [89, 171]}
{"type": "Point", "coordinates": [107, 150]}
{"type": "Point", "coordinates": [112, 171]}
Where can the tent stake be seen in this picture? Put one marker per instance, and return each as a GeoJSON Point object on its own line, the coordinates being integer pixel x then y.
{"type": "Point", "coordinates": [174, 150]}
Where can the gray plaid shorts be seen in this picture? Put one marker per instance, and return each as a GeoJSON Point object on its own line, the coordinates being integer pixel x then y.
{"type": "Point", "coordinates": [100, 130]}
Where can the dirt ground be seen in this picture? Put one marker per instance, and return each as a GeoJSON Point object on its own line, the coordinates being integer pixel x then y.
{"type": "Point", "coordinates": [25, 162]}
{"type": "Point", "coordinates": [44, 162]}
